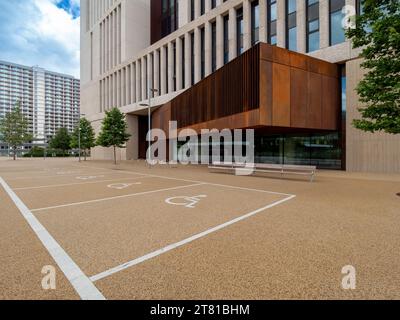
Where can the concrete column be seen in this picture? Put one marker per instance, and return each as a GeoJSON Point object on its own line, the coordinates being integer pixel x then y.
{"type": "Point", "coordinates": [107, 94]}
{"type": "Point", "coordinates": [197, 8]}
{"type": "Point", "coordinates": [207, 5]}
{"type": "Point", "coordinates": [171, 63]}
{"type": "Point", "coordinates": [178, 63]}
{"type": "Point", "coordinates": [163, 71]}
{"type": "Point", "coordinates": [207, 49]}
{"type": "Point", "coordinates": [246, 25]}
{"type": "Point", "coordinates": [184, 12]}
{"type": "Point", "coordinates": [138, 82]}
{"type": "Point", "coordinates": [118, 36]}
{"type": "Point", "coordinates": [232, 34]}
{"type": "Point", "coordinates": [128, 85]}
{"type": "Point", "coordinates": [110, 90]}
{"type": "Point", "coordinates": [144, 78]}
{"type": "Point", "coordinates": [115, 90]}
{"type": "Point", "coordinates": [150, 84]}
{"type": "Point", "coordinates": [324, 23]}
{"type": "Point", "coordinates": [301, 17]}
{"type": "Point", "coordinates": [101, 48]}
{"type": "Point", "coordinates": [156, 64]}
{"type": "Point", "coordinates": [123, 84]}
{"type": "Point", "coordinates": [197, 55]}
{"type": "Point", "coordinates": [109, 43]}
{"type": "Point", "coordinates": [118, 91]}
{"type": "Point", "coordinates": [188, 60]}
{"type": "Point", "coordinates": [281, 24]}
{"type": "Point", "coordinates": [220, 41]}
{"type": "Point", "coordinates": [263, 20]}
{"type": "Point", "coordinates": [101, 95]}
{"type": "Point", "coordinates": [133, 83]}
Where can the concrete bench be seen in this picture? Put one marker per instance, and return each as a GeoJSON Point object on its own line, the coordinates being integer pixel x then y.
{"type": "Point", "coordinates": [265, 168]}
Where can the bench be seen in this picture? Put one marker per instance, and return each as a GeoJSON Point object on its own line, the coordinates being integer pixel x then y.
{"type": "Point", "coordinates": [264, 168]}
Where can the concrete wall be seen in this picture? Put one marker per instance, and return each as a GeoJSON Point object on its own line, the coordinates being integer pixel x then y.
{"type": "Point", "coordinates": [372, 152]}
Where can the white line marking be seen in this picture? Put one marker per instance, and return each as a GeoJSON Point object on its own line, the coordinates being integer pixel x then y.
{"type": "Point", "coordinates": [78, 183]}
{"type": "Point", "coordinates": [82, 284]}
{"type": "Point", "coordinates": [170, 247]}
{"type": "Point", "coordinates": [197, 181]}
{"type": "Point", "coordinates": [53, 176]}
{"type": "Point", "coordinates": [116, 197]}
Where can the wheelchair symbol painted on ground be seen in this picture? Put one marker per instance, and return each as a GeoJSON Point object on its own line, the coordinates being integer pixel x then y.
{"type": "Point", "coordinates": [121, 186]}
{"type": "Point", "coordinates": [185, 201]}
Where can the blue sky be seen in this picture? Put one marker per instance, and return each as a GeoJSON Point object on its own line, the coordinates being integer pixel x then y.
{"type": "Point", "coordinates": [71, 7]}
{"type": "Point", "coordinates": [41, 32]}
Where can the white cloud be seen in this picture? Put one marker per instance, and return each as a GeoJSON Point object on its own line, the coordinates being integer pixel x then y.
{"type": "Point", "coordinates": [37, 32]}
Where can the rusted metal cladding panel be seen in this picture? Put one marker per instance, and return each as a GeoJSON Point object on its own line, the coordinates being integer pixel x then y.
{"type": "Point", "coordinates": [231, 90]}
{"type": "Point", "coordinates": [300, 91]}
{"type": "Point", "coordinates": [266, 86]}
{"type": "Point", "coordinates": [280, 95]}
{"type": "Point", "coordinates": [298, 98]}
{"type": "Point", "coordinates": [161, 118]}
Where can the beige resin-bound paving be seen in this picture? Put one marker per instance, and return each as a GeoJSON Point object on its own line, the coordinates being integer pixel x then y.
{"type": "Point", "coordinates": [134, 232]}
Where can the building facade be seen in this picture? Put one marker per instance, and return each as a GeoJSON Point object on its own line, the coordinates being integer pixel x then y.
{"type": "Point", "coordinates": [49, 100]}
{"type": "Point", "coordinates": [306, 74]}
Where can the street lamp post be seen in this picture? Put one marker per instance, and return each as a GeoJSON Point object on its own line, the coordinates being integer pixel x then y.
{"type": "Point", "coordinates": [148, 105]}
{"type": "Point", "coordinates": [79, 135]}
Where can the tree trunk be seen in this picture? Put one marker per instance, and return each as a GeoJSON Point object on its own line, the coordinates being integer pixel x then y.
{"type": "Point", "coordinates": [85, 154]}
{"type": "Point", "coordinates": [14, 155]}
{"type": "Point", "coordinates": [115, 156]}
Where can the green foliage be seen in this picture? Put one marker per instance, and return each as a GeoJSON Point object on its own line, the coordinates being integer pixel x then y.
{"type": "Point", "coordinates": [378, 33]}
{"type": "Point", "coordinates": [14, 129]}
{"type": "Point", "coordinates": [61, 141]}
{"type": "Point", "coordinates": [39, 152]}
{"type": "Point", "coordinates": [35, 152]}
{"type": "Point", "coordinates": [113, 131]}
{"type": "Point", "coordinates": [87, 139]}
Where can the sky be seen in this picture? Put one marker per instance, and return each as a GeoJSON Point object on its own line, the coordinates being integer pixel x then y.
{"type": "Point", "coordinates": [41, 32]}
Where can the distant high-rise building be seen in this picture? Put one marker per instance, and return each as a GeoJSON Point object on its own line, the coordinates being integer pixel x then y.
{"type": "Point", "coordinates": [48, 99]}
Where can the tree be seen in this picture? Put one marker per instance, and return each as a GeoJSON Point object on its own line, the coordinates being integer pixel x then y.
{"type": "Point", "coordinates": [113, 131]}
{"type": "Point", "coordinates": [377, 32]}
{"type": "Point", "coordinates": [88, 139]}
{"type": "Point", "coordinates": [14, 129]}
{"type": "Point", "coordinates": [61, 141]}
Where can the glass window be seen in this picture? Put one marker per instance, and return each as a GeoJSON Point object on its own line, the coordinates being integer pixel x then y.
{"type": "Point", "coordinates": [291, 25]}
{"type": "Point", "coordinates": [291, 6]}
{"type": "Point", "coordinates": [313, 42]}
{"type": "Point", "coordinates": [321, 149]}
{"type": "Point", "coordinates": [337, 33]}
{"type": "Point", "coordinates": [192, 7]}
{"type": "Point", "coordinates": [213, 46]}
{"type": "Point", "coordinates": [240, 31]}
{"type": "Point", "coordinates": [183, 62]}
{"type": "Point", "coordinates": [192, 57]}
{"type": "Point", "coordinates": [272, 16]}
{"type": "Point", "coordinates": [226, 39]}
{"type": "Point", "coordinates": [292, 40]}
{"type": "Point", "coordinates": [255, 22]}
{"type": "Point", "coordinates": [203, 53]}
